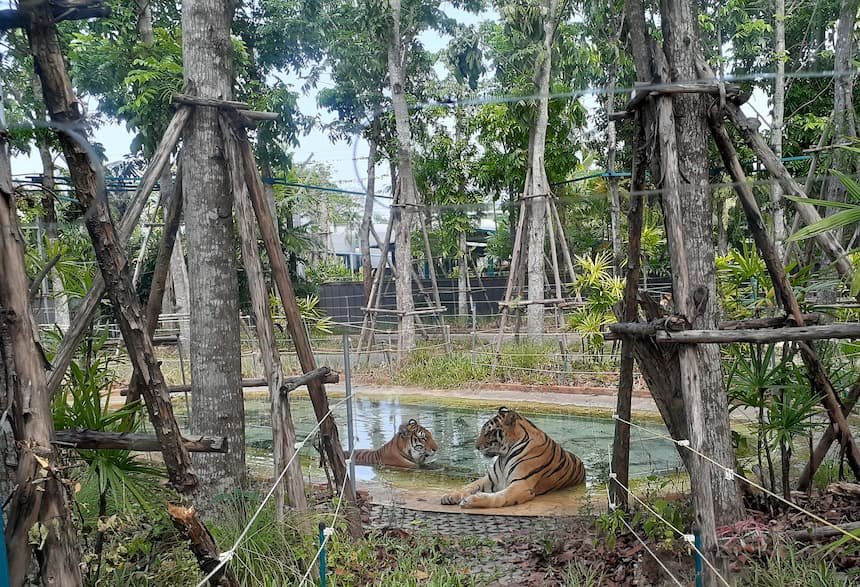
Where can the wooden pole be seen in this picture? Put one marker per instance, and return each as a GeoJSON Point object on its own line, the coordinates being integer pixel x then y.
{"type": "Point", "coordinates": [101, 440]}
{"type": "Point", "coordinates": [86, 310]}
{"type": "Point", "coordinates": [817, 375]}
{"type": "Point", "coordinates": [110, 253]}
{"type": "Point", "coordinates": [435, 285]}
{"type": "Point", "coordinates": [39, 498]}
{"type": "Point", "coordinates": [831, 434]}
{"type": "Point", "coordinates": [749, 130]}
{"type": "Point", "coordinates": [283, 432]}
{"type": "Point", "coordinates": [298, 332]}
{"type": "Point", "coordinates": [688, 299]}
{"type": "Point", "coordinates": [760, 335]}
{"type": "Point", "coordinates": [623, 404]}
{"type": "Point", "coordinates": [513, 276]}
{"type": "Point", "coordinates": [172, 218]}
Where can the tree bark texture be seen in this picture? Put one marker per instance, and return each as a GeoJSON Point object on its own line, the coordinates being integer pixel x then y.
{"type": "Point", "coordinates": [110, 255]}
{"type": "Point", "coordinates": [367, 222]}
{"type": "Point", "coordinates": [409, 198]}
{"type": "Point", "coordinates": [38, 501]}
{"type": "Point", "coordinates": [537, 189]}
{"type": "Point", "coordinates": [217, 403]}
{"type": "Point", "coordinates": [463, 278]}
{"type": "Point", "coordinates": [843, 110]}
{"type": "Point", "coordinates": [283, 433]}
{"type": "Point", "coordinates": [98, 439]}
{"type": "Point", "coordinates": [831, 435]}
{"type": "Point", "coordinates": [778, 121]}
{"type": "Point", "coordinates": [690, 235]}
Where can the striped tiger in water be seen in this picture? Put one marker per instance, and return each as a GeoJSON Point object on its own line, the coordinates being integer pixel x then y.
{"type": "Point", "coordinates": [411, 447]}
{"type": "Point", "coordinates": [528, 463]}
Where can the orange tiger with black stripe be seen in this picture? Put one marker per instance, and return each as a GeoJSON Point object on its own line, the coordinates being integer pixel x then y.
{"type": "Point", "coordinates": [528, 463]}
{"type": "Point", "coordinates": [412, 446]}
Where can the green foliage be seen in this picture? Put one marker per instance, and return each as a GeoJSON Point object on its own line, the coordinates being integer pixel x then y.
{"type": "Point", "coordinates": [678, 514]}
{"type": "Point", "coordinates": [312, 315]}
{"type": "Point", "coordinates": [788, 566]}
{"type": "Point", "coordinates": [328, 270]}
{"type": "Point", "coordinates": [743, 283]}
{"type": "Point", "coordinates": [425, 368]}
{"type": "Point", "coordinates": [600, 290]}
{"type": "Point", "coordinates": [84, 403]}
{"type": "Point", "coordinates": [611, 525]}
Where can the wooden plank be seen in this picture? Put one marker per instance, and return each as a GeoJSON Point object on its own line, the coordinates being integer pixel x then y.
{"type": "Point", "coordinates": [761, 335]}
{"type": "Point", "coordinates": [330, 377]}
{"type": "Point", "coordinates": [101, 440]}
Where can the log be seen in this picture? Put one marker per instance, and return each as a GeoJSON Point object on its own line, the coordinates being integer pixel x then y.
{"type": "Point", "coordinates": [761, 335]}
{"type": "Point", "coordinates": [545, 302]}
{"type": "Point", "coordinates": [645, 91]}
{"type": "Point", "coordinates": [774, 322]}
{"type": "Point", "coordinates": [202, 545]}
{"type": "Point", "coordinates": [100, 440]}
{"type": "Point", "coordinates": [629, 312]}
{"type": "Point", "coordinates": [190, 100]}
{"type": "Point", "coordinates": [810, 534]}
{"type": "Point", "coordinates": [68, 10]}
{"type": "Point", "coordinates": [646, 329]}
{"type": "Point", "coordinates": [320, 373]}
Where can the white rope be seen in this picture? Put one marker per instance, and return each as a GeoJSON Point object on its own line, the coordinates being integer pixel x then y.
{"type": "Point", "coordinates": [689, 538]}
{"type": "Point", "coordinates": [612, 507]}
{"type": "Point", "coordinates": [730, 472]}
{"type": "Point", "coordinates": [227, 555]}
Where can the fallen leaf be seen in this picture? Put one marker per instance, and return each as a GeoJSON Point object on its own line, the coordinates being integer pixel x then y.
{"type": "Point", "coordinates": [421, 575]}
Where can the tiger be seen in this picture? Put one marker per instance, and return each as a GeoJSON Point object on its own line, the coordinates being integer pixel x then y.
{"type": "Point", "coordinates": [528, 463]}
{"type": "Point", "coordinates": [412, 446]}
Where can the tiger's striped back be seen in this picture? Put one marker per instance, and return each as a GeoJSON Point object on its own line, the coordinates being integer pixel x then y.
{"type": "Point", "coordinates": [527, 453]}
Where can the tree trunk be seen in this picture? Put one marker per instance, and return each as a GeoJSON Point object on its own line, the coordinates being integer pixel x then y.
{"type": "Point", "coordinates": [367, 222]}
{"type": "Point", "coordinates": [843, 112]}
{"type": "Point", "coordinates": [409, 197]}
{"type": "Point", "coordinates": [777, 122]}
{"type": "Point", "coordinates": [708, 413]}
{"type": "Point", "coordinates": [463, 279]}
{"type": "Point", "coordinates": [144, 22]}
{"type": "Point", "coordinates": [537, 188]}
{"type": "Point", "coordinates": [39, 500]}
{"type": "Point", "coordinates": [217, 403]}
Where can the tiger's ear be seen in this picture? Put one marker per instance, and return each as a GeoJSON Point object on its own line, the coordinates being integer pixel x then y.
{"type": "Point", "coordinates": [412, 424]}
{"type": "Point", "coordinates": [508, 416]}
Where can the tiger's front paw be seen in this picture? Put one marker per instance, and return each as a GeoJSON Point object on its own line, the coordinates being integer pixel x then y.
{"type": "Point", "coordinates": [472, 501]}
{"type": "Point", "coordinates": [450, 499]}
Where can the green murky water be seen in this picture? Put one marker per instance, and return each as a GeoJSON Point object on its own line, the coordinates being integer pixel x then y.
{"type": "Point", "coordinates": [455, 431]}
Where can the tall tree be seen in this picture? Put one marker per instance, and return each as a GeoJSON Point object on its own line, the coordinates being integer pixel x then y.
{"type": "Point", "coordinates": [217, 406]}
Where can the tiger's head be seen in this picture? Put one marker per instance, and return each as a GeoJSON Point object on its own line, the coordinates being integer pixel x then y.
{"type": "Point", "coordinates": [500, 433]}
{"type": "Point", "coordinates": [418, 441]}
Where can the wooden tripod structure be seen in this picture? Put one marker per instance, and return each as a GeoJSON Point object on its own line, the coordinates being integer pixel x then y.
{"type": "Point", "coordinates": [514, 291]}
{"type": "Point", "coordinates": [374, 307]}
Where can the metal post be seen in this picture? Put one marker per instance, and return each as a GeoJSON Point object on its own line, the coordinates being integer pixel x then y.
{"type": "Point", "coordinates": [322, 555]}
{"type": "Point", "coordinates": [347, 380]}
{"type": "Point", "coordinates": [4, 562]}
{"type": "Point", "coordinates": [698, 557]}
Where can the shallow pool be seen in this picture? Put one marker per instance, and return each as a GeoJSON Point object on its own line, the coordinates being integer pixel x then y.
{"type": "Point", "coordinates": [455, 431]}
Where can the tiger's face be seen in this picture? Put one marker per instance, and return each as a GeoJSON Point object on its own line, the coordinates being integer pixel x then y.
{"type": "Point", "coordinates": [421, 446]}
{"type": "Point", "coordinates": [499, 434]}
